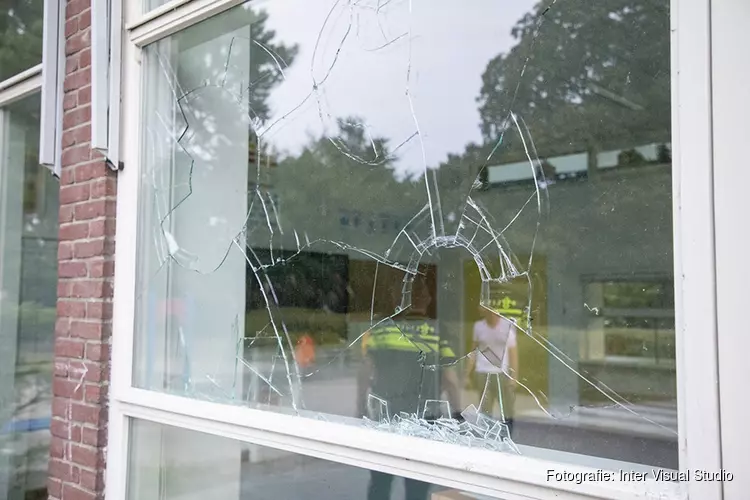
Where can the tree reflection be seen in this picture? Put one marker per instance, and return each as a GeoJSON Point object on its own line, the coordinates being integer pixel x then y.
{"type": "Point", "coordinates": [21, 24]}
{"type": "Point", "coordinates": [583, 75]}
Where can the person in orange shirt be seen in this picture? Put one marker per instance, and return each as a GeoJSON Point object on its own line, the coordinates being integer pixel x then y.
{"type": "Point", "coordinates": [305, 351]}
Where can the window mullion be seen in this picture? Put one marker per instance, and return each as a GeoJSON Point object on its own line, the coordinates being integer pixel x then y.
{"type": "Point", "coordinates": [694, 257]}
{"type": "Point", "coordinates": [21, 85]}
{"type": "Point", "coordinates": [173, 17]}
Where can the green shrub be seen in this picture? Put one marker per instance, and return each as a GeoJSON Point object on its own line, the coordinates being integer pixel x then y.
{"type": "Point", "coordinates": [324, 327]}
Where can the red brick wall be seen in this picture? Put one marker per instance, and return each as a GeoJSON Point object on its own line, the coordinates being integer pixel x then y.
{"type": "Point", "coordinates": [86, 265]}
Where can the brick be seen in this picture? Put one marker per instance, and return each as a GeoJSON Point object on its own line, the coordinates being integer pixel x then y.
{"type": "Point", "coordinates": [96, 351]}
{"type": "Point", "coordinates": [70, 100]}
{"type": "Point", "coordinates": [71, 27]}
{"type": "Point", "coordinates": [84, 456]}
{"type": "Point", "coordinates": [74, 193]}
{"type": "Point", "coordinates": [84, 58]}
{"type": "Point", "coordinates": [75, 154]}
{"type": "Point", "coordinates": [71, 308]}
{"type": "Point", "coordinates": [57, 447]}
{"type": "Point", "coordinates": [79, 115]}
{"type": "Point", "coordinates": [69, 348]}
{"type": "Point", "coordinates": [99, 310]}
{"type": "Point", "coordinates": [95, 394]}
{"type": "Point", "coordinates": [75, 43]}
{"type": "Point", "coordinates": [60, 408]}
{"type": "Point", "coordinates": [75, 432]}
{"type": "Point", "coordinates": [75, 7]}
{"type": "Point", "coordinates": [92, 289]}
{"type": "Point", "coordinates": [84, 95]}
{"type": "Point", "coordinates": [92, 480]}
{"type": "Point", "coordinates": [104, 187]}
{"type": "Point", "coordinates": [70, 269]}
{"type": "Point", "coordinates": [62, 327]}
{"type": "Point", "coordinates": [103, 227]}
{"type": "Point", "coordinates": [66, 177]}
{"type": "Point", "coordinates": [78, 135]}
{"type": "Point", "coordinates": [61, 369]}
{"type": "Point", "coordinates": [59, 428]}
{"type": "Point", "coordinates": [90, 372]}
{"type": "Point", "coordinates": [75, 80]}
{"type": "Point", "coordinates": [90, 170]}
{"type": "Point", "coordinates": [63, 470]}
{"type": "Point", "coordinates": [89, 248]}
{"type": "Point", "coordinates": [101, 269]}
{"type": "Point", "coordinates": [71, 492]}
{"type": "Point", "coordinates": [91, 210]}
{"type": "Point", "coordinates": [64, 252]}
{"type": "Point", "coordinates": [71, 65]}
{"type": "Point", "coordinates": [86, 414]}
{"type": "Point", "coordinates": [54, 487]}
{"type": "Point", "coordinates": [64, 429]}
{"type": "Point", "coordinates": [63, 289]}
{"type": "Point", "coordinates": [70, 232]}
{"type": "Point", "coordinates": [84, 19]}
{"type": "Point", "coordinates": [65, 214]}
{"type": "Point", "coordinates": [94, 436]}
{"type": "Point", "coordinates": [86, 330]}
{"type": "Point", "coordinates": [67, 389]}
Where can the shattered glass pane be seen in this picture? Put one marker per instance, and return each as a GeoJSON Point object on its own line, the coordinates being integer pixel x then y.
{"type": "Point", "coordinates": [368, 212]}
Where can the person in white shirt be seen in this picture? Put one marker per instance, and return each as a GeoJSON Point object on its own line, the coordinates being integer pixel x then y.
{"type": "Point", "coordinates": [495, 363]}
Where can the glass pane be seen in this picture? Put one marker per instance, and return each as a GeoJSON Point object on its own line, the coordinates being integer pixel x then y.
{"type": "Point", "coordinates": [28, 294]}
{"type": "Point", "coordinates": [169, 463]}
{"type": "Point", "coordinates": [372, 214]}
{"type": "Point", "coordinates": [20, 35]}
{"type": "Point", "coordinates": [152, 4]}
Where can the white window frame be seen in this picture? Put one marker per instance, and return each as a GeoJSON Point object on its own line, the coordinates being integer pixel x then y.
{"type": "Point", "coordinates": [503, 475]}
{"type": "Point", "coordinates": [53, 74]}
{"type": "Point", "coordinates": [106, 59]}
{"type": "Point", "coordinates": [21, 85]}
{"type": "Point", "coordinates": [731, 107]}
{"type": "Point", "coordinates": [15, 88]}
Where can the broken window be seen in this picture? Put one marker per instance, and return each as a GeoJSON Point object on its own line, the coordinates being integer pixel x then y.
{"type": "Point", "coordinates": [386, 214]}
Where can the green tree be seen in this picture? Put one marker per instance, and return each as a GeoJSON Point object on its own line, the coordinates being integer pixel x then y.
{"type": "Point", "coordinates": [21, 24]}
{"type": "Point", "coordinates": [584, 75]}
{"type": "Point", "coordinates": [269, 59]}
{"type": "Point", "coordinates": [347, 172]}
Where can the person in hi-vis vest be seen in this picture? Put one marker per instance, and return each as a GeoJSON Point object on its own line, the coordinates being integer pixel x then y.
{"type": "Point", "coordinates": [398, 368]}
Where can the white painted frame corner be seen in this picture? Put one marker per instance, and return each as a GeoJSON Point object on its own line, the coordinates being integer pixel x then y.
{"type": "Point", "coordinates": [21, 85]}
{"type": "Point", "coordinates": [53, 64]}
{"type": "Point", "coordinates": [115, 84]}
{"type": "Point", "coordinates": [106, 64]}
{"type": "Point", "coordinates": [100, 56]}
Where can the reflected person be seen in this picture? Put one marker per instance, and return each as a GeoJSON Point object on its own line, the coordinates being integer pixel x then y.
{"type": "Point", "coordinates": [495, 363]}
{"type": "Point", "coordinates": [395, 370]}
